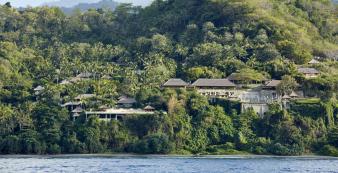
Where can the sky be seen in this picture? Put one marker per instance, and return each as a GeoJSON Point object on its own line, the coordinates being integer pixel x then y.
{"type": "Point", "coordinates": [24, 3]}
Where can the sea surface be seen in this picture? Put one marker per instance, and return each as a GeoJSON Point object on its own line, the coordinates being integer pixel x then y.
{"type": "Point", "coordinates": [203, 164]}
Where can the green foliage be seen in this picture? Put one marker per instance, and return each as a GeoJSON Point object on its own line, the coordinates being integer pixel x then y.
{"type": "Point", "coordinates": [153, 144]}
{"type": "Point", "coordinates": [314, 110]}
{"type": "Point", "coordinates": [333, 136]}
{"type": "Point", "coordinates": [202, 72]}
{"type": "Point", "coordinates": [248, 75]}
{"type": "Point", "coordinates": [294, 52]}
{"type": "Point", "coordinates": [132, 51]}
{"type": "Point", "coordinates": [287, 85]}
{"type": "Point", "coordinates": [329, 150]}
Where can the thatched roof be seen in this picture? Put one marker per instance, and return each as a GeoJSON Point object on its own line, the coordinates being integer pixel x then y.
{"type": "Point", "coordinates": [213, 83]}
{"type": "Point", "coordinates": [126, 100]}
{"type": "Point", "coordinates": [306, 70]}
{"type": "Point", "coordinates": [175, 82]}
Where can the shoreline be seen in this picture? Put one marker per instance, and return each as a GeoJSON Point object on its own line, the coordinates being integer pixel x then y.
{"type": "Point", "coordinates": [159, 156]}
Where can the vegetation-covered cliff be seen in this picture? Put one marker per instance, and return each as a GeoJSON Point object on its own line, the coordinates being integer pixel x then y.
{"type": "Point", "coordinates": [132, 51]}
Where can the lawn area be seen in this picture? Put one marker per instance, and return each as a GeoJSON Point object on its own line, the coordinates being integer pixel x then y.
{"type": "Point", "coordinates": [308, 101]}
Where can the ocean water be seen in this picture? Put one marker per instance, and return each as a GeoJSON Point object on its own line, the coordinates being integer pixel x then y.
{"type": "Point", "coordinates": [128, 164]}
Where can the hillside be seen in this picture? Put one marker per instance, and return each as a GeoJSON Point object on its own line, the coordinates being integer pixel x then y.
{"type": "Point", "coordinates": [174, 77]}
{"type": "Point", "coordinates": [107, 4]}
{"type": "Point", "coordinates": [70, 6]}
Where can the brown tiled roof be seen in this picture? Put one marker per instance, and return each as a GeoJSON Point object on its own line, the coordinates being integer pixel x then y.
{"type": "Point", "coordinates": [306, 70]}
{"type": "Point", "coordinates": [175, 82]}
{"type": "Point", "coordinates": [213, 83]}
{"type": "Point", "coordinates": [126, 101]}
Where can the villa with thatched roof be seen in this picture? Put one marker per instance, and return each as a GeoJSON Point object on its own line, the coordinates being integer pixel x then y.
{"type": "Point", "coordinates": [71, 105]}
{"type": "Point", "coordinates": [258, 97]}
{"type": "Point", "coordinates": [222, 88]}
{"type": "Point", "coordinates": [175, 83]}
{"type": "Point", "coordinates": [308, 72]}
{"type": "Point", "coordinates": [126, 102]}
{"type": "Point", "coordinates": [272, 84]}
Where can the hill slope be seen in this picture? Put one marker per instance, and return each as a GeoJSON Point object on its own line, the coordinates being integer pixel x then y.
{"type": "Point", "coordinates": [106, 4]}
{"type": "Point", "coordinates": [68, 4]}
{"type": "Point", "coordinates": [90, 59]}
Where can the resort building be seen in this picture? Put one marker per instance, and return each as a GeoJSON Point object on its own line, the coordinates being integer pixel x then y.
{"type": "Point", "coordinates": [220, 88]}
{"type": "Point", "coordinates": [308, 72]}
{"type": "Point", "coordinates": [175, 83]}
{"type": "Point", "coordinates": [258, 96]}
{"type": "Point", "coordinates": [126, 102]}
{"type": "Point", "coordinates": [77, 112]}
{"type": "Point", "coordinates": [117, 114]}
{"type": "Point", "coordinates": [71, 105]}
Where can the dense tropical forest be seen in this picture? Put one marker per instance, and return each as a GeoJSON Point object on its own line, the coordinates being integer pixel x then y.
{"type": "Point", "coordinates": [140, 48]}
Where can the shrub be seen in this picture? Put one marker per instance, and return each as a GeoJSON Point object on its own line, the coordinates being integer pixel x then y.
{"type": "Point", "coordinates": [329, 151]}
{"type": "Point", "coordinates": [10, 145]}
{"type": "Point", "coordinates": [53, 149]}
{"type": "Point", "coordinates": [152, 144]}
{"type": "Point", "coordinates": [278, 149]}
